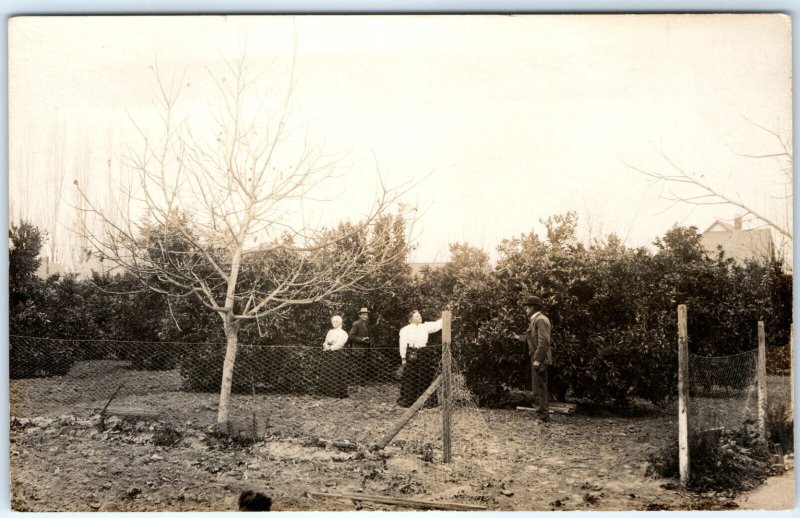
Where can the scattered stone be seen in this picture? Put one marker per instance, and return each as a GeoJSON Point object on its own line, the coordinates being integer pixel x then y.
{"type": "Point", "coordinates": [506, 492]}
{"type": "Point", "coordinates": [133, 493]}
{"type": "Point", "coordinates": [94, 505]}
{"type": "Point", "coordinates": [66, 420]}
{"type": "Point", "coordinates": [591, 498]}
{"type": "Point", "coordinates": [106, 486]}
{"type": "Point", "coordinates": [156, 456]}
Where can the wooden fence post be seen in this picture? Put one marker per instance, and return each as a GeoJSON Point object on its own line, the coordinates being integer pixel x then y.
{"type": "Point", "coordinates": [683, 396]}
{"type": "Point", "coordinates": [761, 372]}
{"type": "Point", "coordinates": [447, 386]}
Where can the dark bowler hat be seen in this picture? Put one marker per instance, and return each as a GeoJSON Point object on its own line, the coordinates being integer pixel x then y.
{"type": "Point", "coordinates": [363, 310]}
{"type": "Point", "coordinates": [533, 301]}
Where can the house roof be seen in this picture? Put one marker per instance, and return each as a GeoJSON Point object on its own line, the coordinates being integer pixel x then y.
{"type": "Point", "coordinates": [725, 227]}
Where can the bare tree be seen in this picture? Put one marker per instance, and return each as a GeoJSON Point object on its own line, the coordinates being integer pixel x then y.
{"type": "Point", "coordinates": [84, 223]}
{"type": "Point", "coordinates": [701, 192]}
{"type": "Point", "coordinates": [52, 193]}
{"type": "Point", "coordinates": [219, 222]}
{"type": "Point", "coordinates": [19, 199]}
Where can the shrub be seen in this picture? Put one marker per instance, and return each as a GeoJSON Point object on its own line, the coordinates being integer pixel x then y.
{"type": "Point", "coordinates": [166, 435]}
{"type": "Point", "coordinates": [33, 357]}
{"type": "Point", "coordinates": [735, 460]}
{"type": "Point", "coordinates": [612, 309]}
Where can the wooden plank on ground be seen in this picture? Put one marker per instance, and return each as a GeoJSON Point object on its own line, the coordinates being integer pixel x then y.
{"type": "Point", "coordinates": [563, 408]}
{"type": "Point", "coordinates": [132, 413]}
{"type": "Point", "coordinates": [407, 502]}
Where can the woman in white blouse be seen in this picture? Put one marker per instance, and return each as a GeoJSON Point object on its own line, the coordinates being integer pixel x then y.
{"type": "Point", "coordinates": [332, 368]}
{"type": "Point", "coordinates": [336, 337]}
{"type": "Point", "coordinates": [422, 359]}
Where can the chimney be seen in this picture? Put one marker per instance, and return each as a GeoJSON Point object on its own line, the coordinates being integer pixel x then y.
{"type": "Point", "coordinates": [737, 223]}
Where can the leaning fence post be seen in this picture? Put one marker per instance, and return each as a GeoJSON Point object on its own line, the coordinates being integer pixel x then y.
{"type": "Point", "coordinates": [761, 372]}
{"type": "Point", "coordinates": [447, 386]}
{"type": "Point", "coordinates": [683, 396]}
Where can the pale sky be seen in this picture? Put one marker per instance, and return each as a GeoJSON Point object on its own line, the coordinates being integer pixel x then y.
{"type": "Point", "coordinates": [505, 119]}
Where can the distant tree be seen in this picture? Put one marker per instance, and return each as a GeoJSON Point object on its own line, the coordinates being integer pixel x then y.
{"type": "Point", "coordinates": [23, 260]}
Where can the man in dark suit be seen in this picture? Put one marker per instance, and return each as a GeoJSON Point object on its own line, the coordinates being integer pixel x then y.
{"type": "Point", "coordinates": [537, 337]}
{"type": "Point", "coordinates": [359, 337]}
{"type": "Point", "coordinates": [359, 333]}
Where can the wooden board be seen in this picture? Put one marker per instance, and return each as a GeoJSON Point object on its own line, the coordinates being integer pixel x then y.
{"type": "Point", "coordinates": [407, 502]}
{"type": "Point", "coordinates": [132, 413]}
{"type": "Point", "coordinates": [560, 408]}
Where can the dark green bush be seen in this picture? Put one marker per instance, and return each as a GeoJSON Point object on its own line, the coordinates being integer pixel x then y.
{"type": "Point", "coordinates": [738, 460]}
{"type": "Point", "coordinates": [612, 309]}
{"type": "Point", "coordinates": [34, 358]}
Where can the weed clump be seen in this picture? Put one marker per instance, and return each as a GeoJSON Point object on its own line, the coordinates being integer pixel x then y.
{"type": "Point", "coordinates": [723, 460]}
{"type": "Point", "coordinates": [166, 435]}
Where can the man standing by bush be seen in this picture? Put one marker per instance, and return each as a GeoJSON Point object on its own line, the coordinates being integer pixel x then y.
{"type": "Point", "coordinates": [359, 337]}
{"type": "Point", "coordinates": [420, 362]}
{"type": "Point", "coordinates": [538, 339]}
{"type": "Point", "coordinates": [359, 333]}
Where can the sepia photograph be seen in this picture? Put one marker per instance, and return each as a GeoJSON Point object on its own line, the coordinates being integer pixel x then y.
{"type": "Point", "coordinates": [397, 262]}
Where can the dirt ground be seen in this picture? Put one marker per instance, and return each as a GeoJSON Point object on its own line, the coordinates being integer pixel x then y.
{"type": "Point", "coordinates": [503, 459]}
{"type": "Point", "coordinates": [777, 493]}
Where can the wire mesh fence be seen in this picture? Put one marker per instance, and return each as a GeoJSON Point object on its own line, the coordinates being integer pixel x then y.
{"type": "Point", "coordinates": [353, 396]}
{"type": "Point", "coordinates": [723, 395]}
{"type": "Point", "coordinates": [723, 391]}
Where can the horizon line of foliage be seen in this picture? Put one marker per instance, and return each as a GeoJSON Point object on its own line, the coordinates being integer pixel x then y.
{"type": "Point", "coordinates": [613, 309]}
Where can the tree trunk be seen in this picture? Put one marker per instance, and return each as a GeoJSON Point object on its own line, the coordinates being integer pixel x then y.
{"type": "Point", "coordinates": [232, 340]}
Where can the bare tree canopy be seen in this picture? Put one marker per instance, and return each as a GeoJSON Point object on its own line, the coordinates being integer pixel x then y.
{"type": "Point", "coordinates": [697, 190]}
{"type": "Point", "coordinates": [214, 214]}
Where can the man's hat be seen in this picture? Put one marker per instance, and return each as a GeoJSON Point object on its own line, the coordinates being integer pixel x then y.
{"type": "Point", "coordinates": [363, 310]}
{"type": "Point", "coordinates": [533, 301]}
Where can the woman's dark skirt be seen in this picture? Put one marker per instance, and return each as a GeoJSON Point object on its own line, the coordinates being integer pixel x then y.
{"type": "Point", "coordinates": [422, 367]}
{"type": "Point", "coordinates": [332, 374]}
